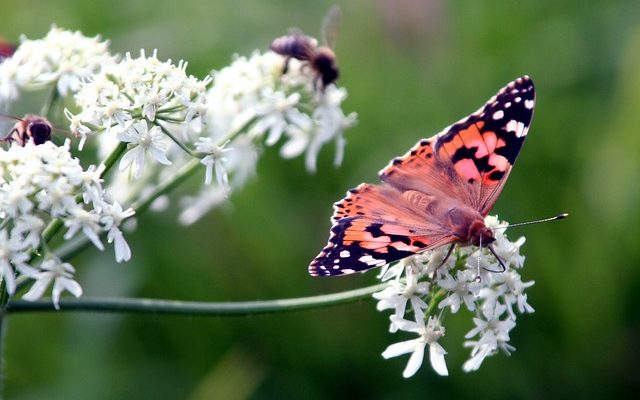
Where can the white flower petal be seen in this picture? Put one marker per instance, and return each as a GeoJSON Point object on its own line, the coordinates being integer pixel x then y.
{"type": "Point", "coordinates": [415, 361]}
{"type": "Point", "coordinates": [436, 357]}
{"type": "Point", "coordinates": [400, 348]}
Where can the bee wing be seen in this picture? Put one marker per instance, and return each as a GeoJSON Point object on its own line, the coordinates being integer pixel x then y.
{"type": "Point", "coordinates": [331, 26]}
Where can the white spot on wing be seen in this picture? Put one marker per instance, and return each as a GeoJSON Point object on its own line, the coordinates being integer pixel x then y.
{"type": "Point", "coordinates": [517, 127]}
{"type": "Point", "coordinates": [528, 104]}
{"type": "Point", "coordinates": [498, 114]}
{"type": "Point", "coordinates": [345, 253]}
{"type": "Point", "coordinates": [518, 99]}
{"type": "Point", "coordinates": [507, 104]}
{"type": "Point", "coordinates": [348, 271]}
{"type": "Point", "coordinates": [372, 261]}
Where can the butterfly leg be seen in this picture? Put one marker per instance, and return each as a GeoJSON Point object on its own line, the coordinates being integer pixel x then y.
{"type": "Point", "coordinates": [504, 267]}
{"type": "Point", "coordinates": [444, 260]}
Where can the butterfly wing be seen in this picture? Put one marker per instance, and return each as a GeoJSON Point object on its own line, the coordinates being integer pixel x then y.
{"type": "Point", "coordinates": [377, 224]}
{"type": "Point", "coordinates": [470, 160]}
{"type": "Point", "coordinates": [466, 165]}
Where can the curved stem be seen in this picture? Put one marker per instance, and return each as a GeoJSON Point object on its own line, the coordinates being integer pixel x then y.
{"type": "Point", "coordinates": [175, 307]}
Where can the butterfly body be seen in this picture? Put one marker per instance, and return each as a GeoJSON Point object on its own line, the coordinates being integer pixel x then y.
{"type": "Point", "coordinates": [436, 194]}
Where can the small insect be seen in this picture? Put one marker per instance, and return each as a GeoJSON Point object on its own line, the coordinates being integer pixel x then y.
{"type": "Point", "coordinates": [304, 48]}
{"type": "Point", "coordinates": [6, 49]}
{"type": "Point", "coordinates": [30, 128]}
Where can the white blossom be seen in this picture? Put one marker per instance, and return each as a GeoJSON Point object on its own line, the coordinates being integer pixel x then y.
{"type": "Point", "coordinates": [399, 292]}
{"type": "Point", "coordinates": [215, 158]}
{"type": "Point", "coordinates": [52, 269]}
{"type": "Point", "coordinates": [39, 183]}
{"type": "Point", "coordinates": [144, 141]}
{"type": "Point", "coordinates": [253, 103]}
{"type": "Point", "coordinates": [136, 90]}
{"type": "Point", "coordinates": [255, 92]}
{"type": "Point", "coordinates": [426, 282]}
{"type": "Point", "coordinates": [462, 290]}
{"type": "Point", "coordinates": [62, 57]}
{"type": "Point", "coordinates": [428, 336]}
{"type": "Point", "coordinates": [493, 334]}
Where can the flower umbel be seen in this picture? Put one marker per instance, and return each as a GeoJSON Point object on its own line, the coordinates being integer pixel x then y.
{"type": "Point", "coordinates": [62, 58]}
{"type": "Point", "coordinates": [253, 103]}
{"type": "Point", "coordinates": [413, 282]}
{"type": "Point", "coordinates": [42, 183]}
{"type": "Point", "coordinates": [136, 90]}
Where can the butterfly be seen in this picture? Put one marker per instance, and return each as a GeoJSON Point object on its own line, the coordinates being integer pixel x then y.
{"type": "Point", "coordinates": [436, 194]}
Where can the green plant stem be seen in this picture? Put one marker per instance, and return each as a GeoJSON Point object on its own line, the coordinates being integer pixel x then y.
{"type": "Point", "coordinates": [48, 105]}
{"type": "Point", "coordinates": [435, 300]}
{"type": "Point", "coordinates": [175, 140]}
{"type": "Point", "coordinates": [153, 306]}
{"type": "Point", "coordinates": [111, 159]}
{"type": "Point", "coordinates": [143, 203]}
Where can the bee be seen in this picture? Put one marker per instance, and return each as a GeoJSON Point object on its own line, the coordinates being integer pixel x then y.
{"type": "Point", "coordinates": [6, 49]}
{"type": "Point", "coordinates": [30, 128]}
{"type": "Point", "coordinates": [322, 60]}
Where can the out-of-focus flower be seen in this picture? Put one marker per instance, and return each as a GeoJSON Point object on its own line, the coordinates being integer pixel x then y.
{"type": "Point", "coordinates": [62, 58]}
{"type": "Point", "coordinates": [253, 103]}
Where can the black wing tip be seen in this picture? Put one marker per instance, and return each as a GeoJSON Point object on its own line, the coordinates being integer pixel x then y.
{"type": "Point", "coordinates": [524, 83]}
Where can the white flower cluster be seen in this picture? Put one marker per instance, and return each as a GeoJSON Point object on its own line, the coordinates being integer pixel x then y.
{"type": "Point", "coordinates": [255, 97]}
{"type": "Point", "coordinates": [40, 183]}
{"type": "Point", "coordinates": [254, 91]}
{"type": "Point", "coordinates": [138, 91]}
{"type": "Point", "coordinates": [494, 299]}
{"type": "Point", "coordinates": [63, 58]}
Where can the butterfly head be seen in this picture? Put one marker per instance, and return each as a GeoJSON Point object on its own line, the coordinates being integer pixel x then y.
{"type": "Point", "coordinates": [480, 234]}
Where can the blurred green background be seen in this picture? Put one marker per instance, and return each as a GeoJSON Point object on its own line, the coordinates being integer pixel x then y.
{"type": "Point", "coordinates": [411, 68]}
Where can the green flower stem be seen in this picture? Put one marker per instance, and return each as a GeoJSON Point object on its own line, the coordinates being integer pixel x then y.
{"type": "Point", "coordinates": [115, 155]}
{"type": "Point", "coordinates": [168, 185]}
{"type": "Point", "coordinates": [435, 300]}
{"type": "Point", "coordinates": [153, 306]}
{"type": "Point", "coordinates": [175, 140]}
{"type": "Point", "coordinates": [48, 105]}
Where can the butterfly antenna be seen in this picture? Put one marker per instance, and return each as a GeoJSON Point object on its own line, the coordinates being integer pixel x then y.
{"type": "Point", "coordinates": [537, 221]}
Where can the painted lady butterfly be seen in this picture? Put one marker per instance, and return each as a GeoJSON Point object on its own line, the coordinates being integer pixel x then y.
{"type": "Point", "coordinates": [436, 194]}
